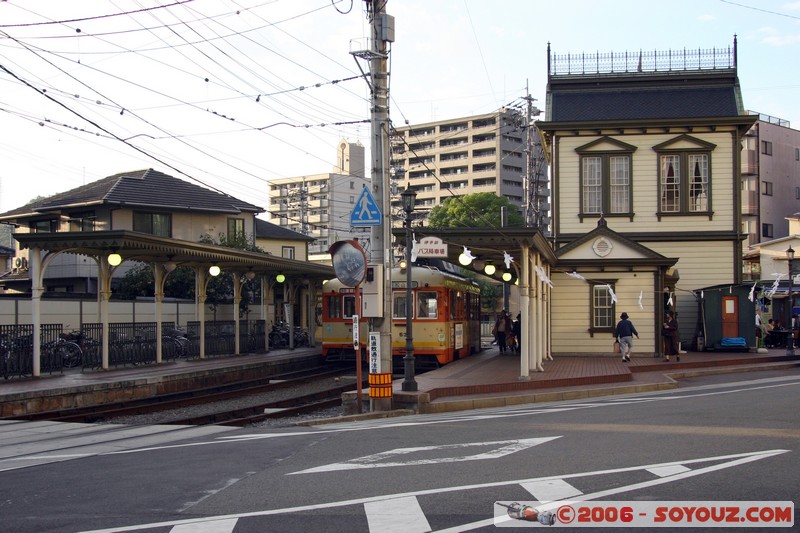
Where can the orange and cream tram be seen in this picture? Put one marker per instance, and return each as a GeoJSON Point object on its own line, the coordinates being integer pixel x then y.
{"type": "Point", "coordinates": [445, 321]}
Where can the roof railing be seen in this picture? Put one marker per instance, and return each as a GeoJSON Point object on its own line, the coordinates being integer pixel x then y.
{"type": "Point", "coordinates": [642, 61]}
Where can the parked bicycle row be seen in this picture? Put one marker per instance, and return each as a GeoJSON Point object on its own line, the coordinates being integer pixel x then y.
{"type": "Point", "coordinates": [130, 344]}
{"type": "Point", "coordinates": [279, 336]}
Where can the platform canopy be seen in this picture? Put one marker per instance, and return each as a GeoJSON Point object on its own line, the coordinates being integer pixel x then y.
{"type": "Point", "coordinates": [169, 253]}
{"type": "Point", "coordinates": [136, 246]}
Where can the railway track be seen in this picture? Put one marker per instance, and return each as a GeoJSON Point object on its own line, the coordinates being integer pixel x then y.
{"type": "Point", "coordinates": [291, 403]}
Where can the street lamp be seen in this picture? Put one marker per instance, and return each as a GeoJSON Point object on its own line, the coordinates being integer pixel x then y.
{"type": "Point", "coordinates": [790, 343]}
{"type": "Point", "coordinates": [408, 198]}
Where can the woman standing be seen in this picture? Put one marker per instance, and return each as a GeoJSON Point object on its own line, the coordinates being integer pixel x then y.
{"type": "Point", "coordinates": [670, 334]}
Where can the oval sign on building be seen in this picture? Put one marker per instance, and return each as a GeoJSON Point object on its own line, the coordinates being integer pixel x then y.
{"type": "Point", "coordinates": [349, 262]}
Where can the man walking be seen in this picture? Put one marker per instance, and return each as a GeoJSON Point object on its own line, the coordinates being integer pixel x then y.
{"type": "Point", "coordinates": [624, 333]}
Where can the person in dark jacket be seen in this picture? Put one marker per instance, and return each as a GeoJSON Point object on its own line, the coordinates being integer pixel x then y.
{"type": "Point", "coordinates": [670, 334]}
{"type": "Point", "coordinates": [502, 327]}
{"type": "Point", "coordinates": [624, 333]}
{"type": "Point", "coordinates": [516, 328]}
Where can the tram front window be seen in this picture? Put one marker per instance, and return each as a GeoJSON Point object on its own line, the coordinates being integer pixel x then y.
{"type": "Point", "coordinates": [349, 306]}
{"type": "Point", "coordinates": [335, 307]}
{"type": "Point", "coordinates": [399, 305]}
{"type": "Point", "coordinates": [427, 304]}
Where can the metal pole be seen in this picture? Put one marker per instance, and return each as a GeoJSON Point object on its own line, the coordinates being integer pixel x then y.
{"type": "Point", "coordinates": [382, 32]}
{"type": "Point", "coordinates": [409, 383]}
{"type": "Point", "coordinates": [790, 342]}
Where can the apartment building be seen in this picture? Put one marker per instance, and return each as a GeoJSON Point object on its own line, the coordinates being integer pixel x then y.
{"type": "Point", "coordinates": [498, 152]}
{"type": "Point", "coordinates": [319, 205]}
{"type": "Point", "coordinates": [770, 186]}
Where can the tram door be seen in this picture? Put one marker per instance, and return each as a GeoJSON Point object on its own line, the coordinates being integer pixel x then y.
{"type": "Point", "coordinates": [730, 316]}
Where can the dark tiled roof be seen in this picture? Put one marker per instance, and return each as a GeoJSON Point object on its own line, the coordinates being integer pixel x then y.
{"type": "Point", "coordinates": [643, 104]}
{"type": "Point", "coordinates": [269, 230]}
{"type": "Point", "coordinates": [148, 188]}
{"type": "Point", "coordinates": [646, 96]}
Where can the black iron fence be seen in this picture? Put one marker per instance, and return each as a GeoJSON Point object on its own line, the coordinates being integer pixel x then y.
{"type": "Point", "coordinates": [221, 336]}
{"type": "Point", "coordinates": [16, 349]}
{"type": "Point", "coordinates": [129, 344]}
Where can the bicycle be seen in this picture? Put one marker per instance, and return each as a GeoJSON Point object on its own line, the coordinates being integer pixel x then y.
{"type": "Point", "coordinates": [300, 337]}
{"type": "Point", "coordinates": [174, 343]}
{"type": "Point", "coordinates": [65, 349]}
{"type": "Point", "coordinates": [5, 356]}
{"type": "Point", "coordinates": [279, 336]}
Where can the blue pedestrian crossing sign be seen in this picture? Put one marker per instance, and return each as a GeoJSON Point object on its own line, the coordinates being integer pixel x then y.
{"type": "Point", "coordinates": [366, 212]}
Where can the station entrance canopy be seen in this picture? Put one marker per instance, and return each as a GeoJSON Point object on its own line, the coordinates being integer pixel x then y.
{"type": "Point", "coordinates": [532, 259]}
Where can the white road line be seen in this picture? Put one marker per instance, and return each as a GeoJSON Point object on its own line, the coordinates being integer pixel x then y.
{"type": "Point", "coordinates": [552, 506]}
{"type": "Point", "coordinates": [399, 515]}
{"type": "Point", "coordinates": [549, 490]}
{"type": "Point", "coordinates": [730, 461]}
{"type": "Point", "coordinates": [429, 420]}
{"type": "Point", "coordinates": [212, 526]}
{"type": "Point", "coordinates": [380, 460]}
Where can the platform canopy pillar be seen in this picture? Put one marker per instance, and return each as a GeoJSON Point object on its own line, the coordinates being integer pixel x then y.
{"type": "Point", "coordinates": [525, 316]}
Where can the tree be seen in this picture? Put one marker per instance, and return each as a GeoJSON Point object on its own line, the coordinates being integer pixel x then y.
{"type": "Point", "coordinates": [473, 211]}
{"type": "Point", "coordinates": [180, 283]}
{"type": "Point", "coordinates": [220, 289]}
{"type": "Point", "coordinates": [139, 281]}
{"type": "Point", "coordinates": [491, 292]}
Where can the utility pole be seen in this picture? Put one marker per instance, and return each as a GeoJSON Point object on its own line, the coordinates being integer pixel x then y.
{"type": "Point", "coordinates": [531, 185]}
{"type": "Point", "coordinates": [380, 256]}
{"type": "Point", "coordinates": [527, 186]}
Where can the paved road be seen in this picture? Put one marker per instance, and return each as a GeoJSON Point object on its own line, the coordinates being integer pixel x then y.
{"type": "Point", "coordinates": [730, 441]}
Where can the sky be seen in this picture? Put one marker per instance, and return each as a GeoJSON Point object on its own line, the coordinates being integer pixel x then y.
{"type": "Point", "coordinates": [230, 94]}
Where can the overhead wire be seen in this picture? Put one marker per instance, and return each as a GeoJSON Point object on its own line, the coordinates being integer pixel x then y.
{"type": "Point", "coordinates": [305, 125]}
{"type": "Point", "coordinates": [204, 151]}
{"type": "Point", "coordinates": [95, 17]}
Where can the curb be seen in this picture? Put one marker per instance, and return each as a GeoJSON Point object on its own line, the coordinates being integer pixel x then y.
{"type": "Point", "coordinates": [356, 417]}
{"type": "Point", "coordinates": [484, 401]}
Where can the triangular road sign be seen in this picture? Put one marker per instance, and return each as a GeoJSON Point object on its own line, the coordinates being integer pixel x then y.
{"type": "Point", "coordinates": [366, 211]}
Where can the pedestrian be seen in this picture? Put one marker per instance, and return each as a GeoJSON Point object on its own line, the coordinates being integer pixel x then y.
{"type": "Point", "coordinates": [670, 335]}
{"type": "Point", "coordinates": [502, 327]}
{"type": "Point", "coordinates": [516, 327]}
{"type": "Point", "coordinates": [624, 333]}
{"type": "Point", "coordinates": [761, 329]}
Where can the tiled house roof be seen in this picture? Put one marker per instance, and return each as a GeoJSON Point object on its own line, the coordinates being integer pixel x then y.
{"type": "Point", "coordinates": [145, 188]}
{"type": "Point", "coordinates": [269, 230]}
{"type": "Point", "coordinates": [643, 103]}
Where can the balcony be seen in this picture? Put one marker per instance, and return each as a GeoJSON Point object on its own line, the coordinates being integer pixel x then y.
{"type": "Point", "coordinates": [318, 219]}
{"type": "Point", "coordinates": [750, 203]}
{"type": "Point", "coordinates": [750, 162]}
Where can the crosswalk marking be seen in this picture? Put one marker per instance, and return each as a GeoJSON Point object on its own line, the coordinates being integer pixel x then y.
{"type": "Point", "coordinates": [212, 526]}
{"type": "Point", "coordinates": [549, 490]}
{"type": "Point", "coordinates": [401, 515]}
{"type": "Point", "coordinates": [671, 470]}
